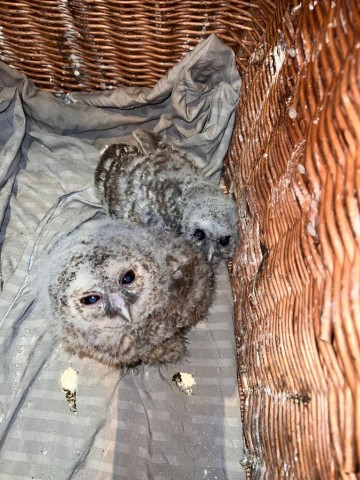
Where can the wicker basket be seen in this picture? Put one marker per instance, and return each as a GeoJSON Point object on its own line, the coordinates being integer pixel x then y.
{"type": "Point", "coordinates": [293, 167]}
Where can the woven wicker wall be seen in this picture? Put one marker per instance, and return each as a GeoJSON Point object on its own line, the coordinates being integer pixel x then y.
{"type": "Point", "coordinates": [64, 45]}
{"type": "Point", "coordinates": [293, 169]}
{"type": "Point", "coordinates": [295, 164]}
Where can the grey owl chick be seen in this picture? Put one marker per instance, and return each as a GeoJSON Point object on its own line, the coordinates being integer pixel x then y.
{"type": "Point", "coordinates": [156, 184]}
{"type": "Point", "coordinates": [124, 294]}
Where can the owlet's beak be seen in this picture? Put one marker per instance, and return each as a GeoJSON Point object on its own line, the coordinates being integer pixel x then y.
{"type": "Point", "coordinates": [125, 312]}
{"type": "Point", "coordinates": [119, 305]}
{"type": "Point", "coordinates": [210, 255]}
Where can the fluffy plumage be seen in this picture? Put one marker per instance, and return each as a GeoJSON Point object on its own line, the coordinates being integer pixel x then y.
{"type": "Point", "coordinates": [125, 294]}
{"type": "Point", "coordinates": [156, 184]}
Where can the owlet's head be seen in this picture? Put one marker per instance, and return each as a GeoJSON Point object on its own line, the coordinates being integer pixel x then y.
{"type": "Point", "coordinates": [210, 221]}
{"type": "Point", "coordinates": [118, 290]}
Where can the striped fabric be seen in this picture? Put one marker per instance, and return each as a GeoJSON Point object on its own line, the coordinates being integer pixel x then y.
{"type": "Point", "coordinates": [134, 424]}
{"type": "Point", "coordinates": [128, 425]}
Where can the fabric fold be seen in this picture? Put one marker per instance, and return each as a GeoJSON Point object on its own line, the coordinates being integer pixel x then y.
{"type": "Point", "coordinates": [49, 149]}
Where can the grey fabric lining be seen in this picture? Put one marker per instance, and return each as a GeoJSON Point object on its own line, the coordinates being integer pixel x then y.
{"type": "Point", "coordinates": [128, 425]}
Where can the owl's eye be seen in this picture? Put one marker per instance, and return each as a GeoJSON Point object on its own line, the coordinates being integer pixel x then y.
{"type": "Point", "coordinates": [128, 278]}
{"type": "Point", "coordinates": [90, 299]}
{"type": "Point", "coordinates": [199, 234]}
{"type": "Point", "coordinates": [224, 241]}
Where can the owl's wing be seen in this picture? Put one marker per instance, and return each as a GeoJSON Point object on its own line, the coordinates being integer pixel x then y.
{"type": "Point", "coordinates": [147, 141]}
{"type": "Point", "coordinates": [112, 158]}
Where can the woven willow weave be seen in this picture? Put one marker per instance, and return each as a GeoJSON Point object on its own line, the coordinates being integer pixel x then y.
{"type": "Point", "coordinates": [293, 167]}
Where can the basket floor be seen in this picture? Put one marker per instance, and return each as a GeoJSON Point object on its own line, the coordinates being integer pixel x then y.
{"type": "Point", "coordinates": [137, 425]}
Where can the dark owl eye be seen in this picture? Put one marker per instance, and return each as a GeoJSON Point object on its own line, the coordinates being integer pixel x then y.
{"type": "Point", "coordinates": [90, 299]}
{"type": "Point", "coordinates": [224, 241]}
{"type": "Point", "coordinates": [199, 234]}
{"type": "Point", "coordinates": [128, 278]}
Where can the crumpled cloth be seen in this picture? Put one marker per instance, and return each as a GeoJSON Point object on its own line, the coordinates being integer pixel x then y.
{"type": "Point", "coordinates": [133, 424]}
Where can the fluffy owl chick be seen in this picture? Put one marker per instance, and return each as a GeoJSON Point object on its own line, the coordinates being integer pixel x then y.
{"type": "Point", "coordinates": [124, 294]}
{"type": "Point", "coordinates": [157, 184]}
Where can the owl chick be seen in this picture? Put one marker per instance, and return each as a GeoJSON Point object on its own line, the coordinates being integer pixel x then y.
{"type": "Point", "coordinates": [124, 294]}
{"type": "Point", "coordinates": [156, 184]}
